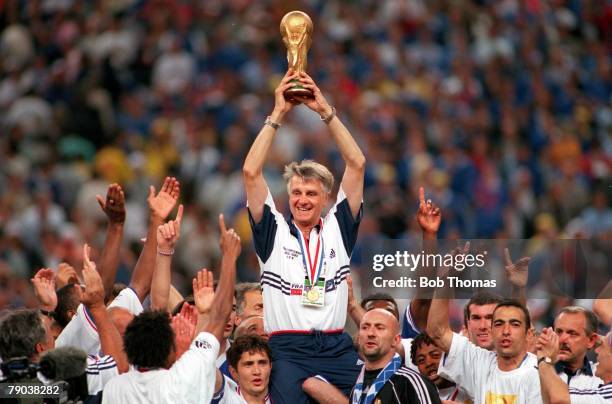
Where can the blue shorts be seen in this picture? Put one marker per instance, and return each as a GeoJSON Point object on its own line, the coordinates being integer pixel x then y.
{"type": "Point", "coordinates": [297, 357]}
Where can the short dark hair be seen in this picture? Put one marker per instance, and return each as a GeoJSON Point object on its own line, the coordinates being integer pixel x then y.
{"type": "Point", "coordinates": [518, 305]}
{"type": "Point", "coordinates": [380, 296]}
{"type": "Point", "coordinates": [480, 299]}
{"type": "Point", "coordinates": [67, 299]}
{"type": "Point", "coordinates": [247, 343]}
{"type": "Point", "coordinates": [20, 331]}
{"type": "Point", "coordinates": [149, 339]}
{"type": "Point", "coordinates": [591, 322]}
{"type": "Point", "coordinates": [417, 342]}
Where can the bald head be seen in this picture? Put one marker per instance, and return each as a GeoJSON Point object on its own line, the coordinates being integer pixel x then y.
{"type": "Point", "coordinates": [378, 338]}
{"type": "Point", "coordinates": [382, 316]}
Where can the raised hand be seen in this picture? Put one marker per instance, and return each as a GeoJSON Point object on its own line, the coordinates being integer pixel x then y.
{"type": "Point", "coordinates": [65, 274]}
{"type": "Point", "coordinates": [44, 288]}
{"type": "Point", "coordinates": [184, 325]}
{"type": "Point", "coordinates": [229, 241]}
{"type": "Point", "coordinates": [93, 295]}
{"type": "Point", "coordinates": [317, 103]}
{"type": "Point", "coordinates": [281, 105]}
{"type": "Point", "coordinates": [428, 216]}
{"type": "Point", "coordinates": [203, 291]}
{"type": "Point", "coordinates": [169, 233]}
{"type": "Point", "coordinates": [114, 205]}
{"type": "Point", "coordinates": [518, 272]}
{"type": "Point", "coordinates": [352, 302]}
{"type": "Point", "coordinates": [162, 204]}
{"type": "Point", "coordinates": [548, 344]}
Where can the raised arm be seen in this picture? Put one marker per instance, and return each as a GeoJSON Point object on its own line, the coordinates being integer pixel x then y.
{"type": "Point", "coordinates": [428, 218]}
{"type": "Point", "coordinates": [160, 206]}
{"type": "Point", "coordinates": [167, 236]}
{"type": "Point", "coordinates": [254, 181]}
{"type": "Point", "coordinates": [438, 325]}
{"type": "Point", "coordinates": [554, 390]}
{"type": "Point", "coordinates": [517, 274]}
{"type": "Point", "coordinates": [352, 180]}
{"type": "Point", "coordinates": [114, 208]}
{"type": "Point", "coordinates": [93, 298]}
{"type": "Point", "coordinates": [602, 306]}
{"type": "Point", "coordinates": [354, 309]}
{"type": "Point", "coordinates": [223, 300]}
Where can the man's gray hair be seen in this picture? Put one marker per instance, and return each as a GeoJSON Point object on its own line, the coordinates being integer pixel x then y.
{"type": "Point", "coordinates": [240, 292]}
{"type": "Point", "coordinates": [309, 170]}
{"type": "Point", "coordinates": [589, 316]}
{"type": "Point", "coordinates": [20, 331]}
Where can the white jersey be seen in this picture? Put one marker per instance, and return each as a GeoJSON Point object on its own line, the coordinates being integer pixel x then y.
{"type": "Point", "coordinates": [282, 259]}
{"type": "Point", "coordinates": [99, 371]}
{"type": "Point", "coordinates": [229, 393]}
{"type": "Point", "coordinates": [81, 332]}
{"type": "Point", "coordinates": [601, 394]}
{"type": "Point", "coordinates": [407, 344]}
{"type": "Point", "coordinates": [475, 369]}
{"type": "Point", "coordinates": [190, 380]}
{"type": "Point", "coordinates": [583, 378]}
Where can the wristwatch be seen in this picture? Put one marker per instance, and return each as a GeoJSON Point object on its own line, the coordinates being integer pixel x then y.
{"type": "Point", "coordinates": [545, 359]}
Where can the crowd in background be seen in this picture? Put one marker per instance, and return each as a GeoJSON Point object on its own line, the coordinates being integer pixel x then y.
{"type": "Point", "coordinates": [500, 109]}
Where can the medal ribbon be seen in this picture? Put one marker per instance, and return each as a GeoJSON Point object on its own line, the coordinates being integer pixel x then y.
{"type": "Point", "coordinates": [313, 268]}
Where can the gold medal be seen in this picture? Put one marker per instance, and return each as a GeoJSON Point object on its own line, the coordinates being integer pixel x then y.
{"type": "Point", "coordinates": [312, 295]}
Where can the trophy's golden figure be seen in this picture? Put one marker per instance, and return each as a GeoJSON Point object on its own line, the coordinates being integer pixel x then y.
{"type": "Point", "coordinates": [296, 31]}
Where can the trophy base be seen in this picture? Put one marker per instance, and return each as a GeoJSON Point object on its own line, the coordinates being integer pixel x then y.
{"type": "Point", "coordinates": [297, 94]}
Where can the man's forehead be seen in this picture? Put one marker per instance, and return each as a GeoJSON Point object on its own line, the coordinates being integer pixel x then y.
{"type": "Point", "coordinates": [377, 316]}
{"type": "Point", "coordinates": [297, 181]}
{"type": "Point", "coordinates": [509, 313]}
{"type": "Point", "coordinates": [577, 320]}
{"type": "Point", "coordinates": [482, 309]}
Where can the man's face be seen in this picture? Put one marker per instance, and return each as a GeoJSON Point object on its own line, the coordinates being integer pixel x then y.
{"type": "Point", "coordinates": [604, 357]}
{"type": "Point", "coordinates": [378, 334]}
{"type": "Point", "coordinates": [427, 360]}
{"type": "Point", "coordinates": [479, 325]}
{"type": "Point", "coordinates": [253, 372]}
{"type": "Point", "coordinates": [509, 332]}
{"type": "Point", "coordinates": [573, 340]}
{"type": "Point", "coordinates": [382, 304]}
{"type": "Point", "coordinates": [306, 200]}
{"type": "Point", "coordinates": [253, 304]}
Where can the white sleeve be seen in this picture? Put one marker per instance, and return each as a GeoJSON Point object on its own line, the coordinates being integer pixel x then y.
{"type": "Point", "coordinates": [195, 371]}
{"type": "Point", "coordinates": [465, 364]}
{"type": "Point", "coordinates": [99, 371]}
{"type": "Point", "coordinates": [81, 332]}
{"type": "Point", "coordinates": [128, 299]}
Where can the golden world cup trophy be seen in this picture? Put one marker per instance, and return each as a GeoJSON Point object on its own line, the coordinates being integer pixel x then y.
{"type": "Point", "coordinates": [296, 31]}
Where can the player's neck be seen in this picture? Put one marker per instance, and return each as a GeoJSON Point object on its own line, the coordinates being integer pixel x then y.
{"type": "Point", "coordinates": [306, 228]}
{"type": "Point", "coordinates": [255, 398]}
{"type": "Point", "coordinates": [574, 365]}
{"type": "Point", "coordinates": [510, 363]}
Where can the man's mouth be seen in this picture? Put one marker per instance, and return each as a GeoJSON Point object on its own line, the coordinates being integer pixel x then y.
{"type": "Point", "coordinates": [257, 381]}
{"type": "Point", "coordinates": [505, 343]}
{"type": "Point", "coordinates": [302, 209]}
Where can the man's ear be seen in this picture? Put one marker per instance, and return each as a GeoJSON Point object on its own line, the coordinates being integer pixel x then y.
{"type": "Point", "coordinates": [40, 348]}
{"type": "Point", "coordinates": [593, 340]}
{"type": "Point", "coordinates": [234, 374]}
